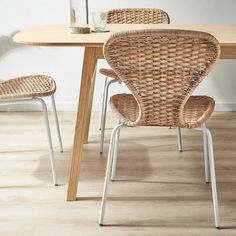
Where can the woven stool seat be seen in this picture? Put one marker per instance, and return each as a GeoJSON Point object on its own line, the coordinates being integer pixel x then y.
{"type": "Point", "coordinates": [196, 111]}
{"type": "Point", "coordinates": [31, 89]}
{"type": "Point", "coordinates": [109, 73]}
{"type": "Point", "coordinates": [27, 87]}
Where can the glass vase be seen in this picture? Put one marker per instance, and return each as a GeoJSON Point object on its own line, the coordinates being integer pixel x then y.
{"type": "Point", "coordinates": [79, 18]}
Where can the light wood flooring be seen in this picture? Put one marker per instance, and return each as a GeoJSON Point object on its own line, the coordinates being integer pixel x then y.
{"type": "Point", "coordinates": [158, 191]}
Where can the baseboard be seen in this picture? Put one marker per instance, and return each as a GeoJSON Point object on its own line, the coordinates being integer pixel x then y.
{"type": "Point", "coordinates": [72, 106]}
{"type": "Point", "coordinates": [220, 106]}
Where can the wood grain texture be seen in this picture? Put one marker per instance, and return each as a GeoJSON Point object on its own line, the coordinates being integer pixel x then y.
{"type": "Point", "coordinates": [90, 103]}
{"type": "Point", "coordinates": [158, 191]}
{"type": "Point", "coordinates": [58, 35]}
{"type": "Point", "coordinates": [84, 107]}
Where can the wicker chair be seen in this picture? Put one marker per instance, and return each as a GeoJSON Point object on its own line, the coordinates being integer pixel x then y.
{"type": "Point", "coordinates": [162, 68]}
{"type": "Point", "coordinates": [31, 89]}
{"type": "Point", "coordinates": [128, 16]}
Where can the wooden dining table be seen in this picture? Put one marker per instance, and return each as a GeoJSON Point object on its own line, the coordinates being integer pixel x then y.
{"type": "Point", "coordinates": [59, 35]}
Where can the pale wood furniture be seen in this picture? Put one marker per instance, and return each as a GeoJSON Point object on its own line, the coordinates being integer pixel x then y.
{"type": "Point", "coordinates": [58, 35]}
{"type": "Point", "coordinates": [162, 72]}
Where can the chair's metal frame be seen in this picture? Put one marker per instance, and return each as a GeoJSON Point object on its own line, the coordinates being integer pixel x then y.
{"type": "Point", "coordinates": [45, 113]}
{"type": "Point", "coordinates": [208, 160]}
{"type": "Point", "coordinates": [103, 113]}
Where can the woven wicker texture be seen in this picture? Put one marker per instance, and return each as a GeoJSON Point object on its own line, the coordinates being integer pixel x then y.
{"type": "Point", "coordinates": [109, 73]}
{"type": "Point", "coordinates": [27, 87]}
{"type": "Point", "coordinates": [137, 16]}
{"type": "Point", "coordinates": [134, 16]}
{"type": "Point", "coordinates": [162, 68]}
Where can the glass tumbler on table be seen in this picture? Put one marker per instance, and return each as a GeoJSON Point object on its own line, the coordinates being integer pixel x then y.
{"type": "Point", "coordinates": [99, 21]}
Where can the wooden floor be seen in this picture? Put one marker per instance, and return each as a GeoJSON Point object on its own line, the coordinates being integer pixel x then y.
{"type": "Point", "coordinates": [158, 191]}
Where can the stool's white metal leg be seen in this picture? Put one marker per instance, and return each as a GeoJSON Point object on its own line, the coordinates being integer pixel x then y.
{"type": "Point", "coordinates": [57, 122]}
{"type": "Point", "coordinates": [179, 139]}
{"type": "Point", "coordinates": [206, 156]}
{"type": "Point", "coordinates": [105, 113]}
{"type": "Point", "coordinates": [108, 173]}
{"type": "Point", "coordinates": [116, 145]}
{"type": "Point", "coordinates": [45, 113]}
{"type": "Point", "coordinates": [52, 159]}
{"type": "Point", "coordinates": [103, 105]}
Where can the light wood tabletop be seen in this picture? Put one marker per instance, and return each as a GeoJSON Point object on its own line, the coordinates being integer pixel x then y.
{"type": "Point", "coordinates": [58, 35]}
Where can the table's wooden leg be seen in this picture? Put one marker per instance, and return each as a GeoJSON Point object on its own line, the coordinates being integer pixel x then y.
{"type": "Point", "coordinates": [86, 87]}
{"type": "Point", "coordinates": [99, 55]}
{"type": "Point", "coordinates": [89, 110]}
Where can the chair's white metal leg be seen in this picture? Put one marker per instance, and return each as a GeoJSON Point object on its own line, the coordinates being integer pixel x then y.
{"type": "Point", "coordinates": [103, 105]}
{"type": "Point", "coordinates": [57, 122]}
{"type": "Point", "coordinates": [212, 173]}
{"type": "Point", "coordinates": [52, 159]}
{"type": "Point", "coordinates": [116, 145]}
{"type": "Point", "coordinates": [213, 178]}
{"type": "Point", "coordinates": [206, 156]}
{"type": "Point", "coordinates": [108, 173]}
{"type": "Point", "coordinates": [179, 139]}
{"type": "Point", "coordinates": [105, 113]}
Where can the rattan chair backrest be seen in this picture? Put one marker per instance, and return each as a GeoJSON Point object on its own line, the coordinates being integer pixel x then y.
{"type": "Point", "coordinates": [137, 16]}
{"type": "Point", "coordinates": [161, 68]}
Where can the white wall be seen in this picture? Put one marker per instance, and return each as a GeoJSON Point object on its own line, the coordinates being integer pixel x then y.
{"type": "Point", "coordinates": [64, 64]}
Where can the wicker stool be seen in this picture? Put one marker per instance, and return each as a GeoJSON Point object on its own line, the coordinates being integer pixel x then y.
{"type": "Point", "coordinates": [31, 89]}
{"type": "Point", "coordinates": [167, 67]}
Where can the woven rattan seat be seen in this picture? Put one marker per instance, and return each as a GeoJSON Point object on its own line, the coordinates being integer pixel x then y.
{"type": "Point", "coordinates": [128, 16]}
{"type": "Point", "coordinates": [196, 110]}
{"type": "Point", "coordinates": [30, 90]}
{"type": "Point", "coordinates": [161, 72]}
{"type": "Point", "coordinates": [134, 16]}
{"type": "Point", "coordinates": [162, 68]}
{"type": "Point", "coordinates": [137, 16]}
{"type": "Point", "coordinates": [27, 87]}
